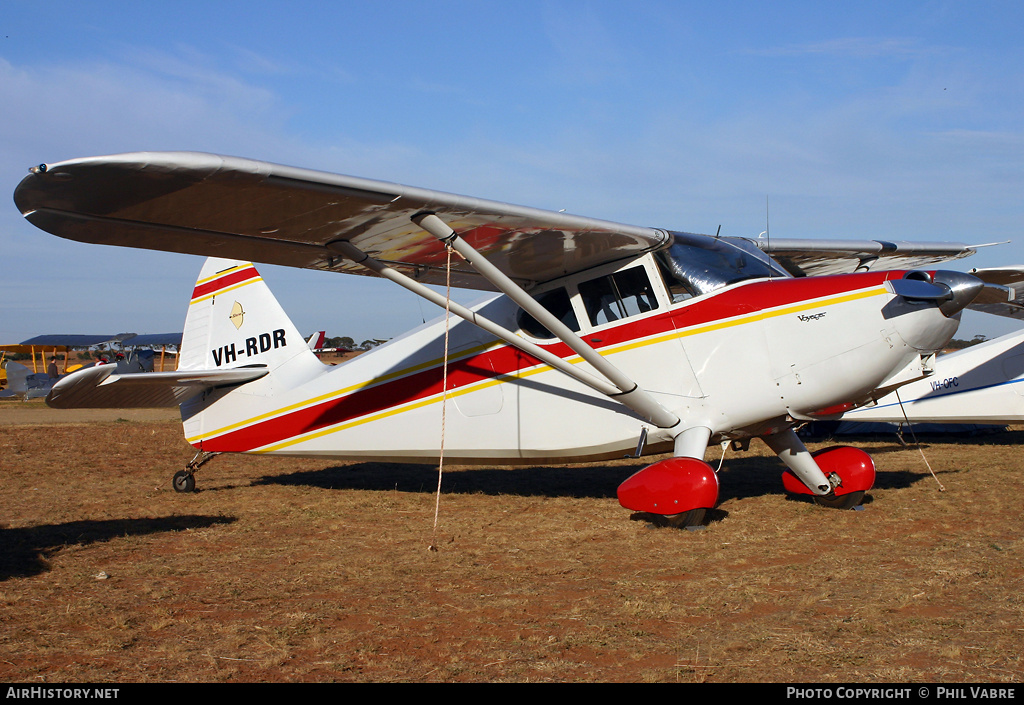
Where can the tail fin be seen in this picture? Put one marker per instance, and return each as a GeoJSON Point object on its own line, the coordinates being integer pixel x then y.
{"type": "Point", "coordinates": [236, 334]}
{"type": "Point", "coordinates": [316, 341]}
{"type": "Point", "coordinates": [234, 321]}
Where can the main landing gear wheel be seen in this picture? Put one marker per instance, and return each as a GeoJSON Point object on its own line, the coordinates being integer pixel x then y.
{"type": "Point", "coordinates": [685, 520]}
{"type": "Point", "coordinates": [845, 501]}
{"type": "Point", "coordinates": [677, 491]}
{"type": "Point", "coordinates": [184, 481]}
{"type": "Point", "coordinates": [849, 471]}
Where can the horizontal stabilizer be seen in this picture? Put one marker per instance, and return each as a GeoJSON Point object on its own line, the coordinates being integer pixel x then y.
{"type": "Point", "coordinates": [100, 387]}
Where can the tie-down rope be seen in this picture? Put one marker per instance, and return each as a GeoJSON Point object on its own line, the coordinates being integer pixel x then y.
{"type": "Point", "coordinates": [444, 390]}
{"type": "Point", "coordinates": [917, 442]}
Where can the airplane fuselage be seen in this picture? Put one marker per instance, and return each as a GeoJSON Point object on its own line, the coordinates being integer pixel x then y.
{"type": "Point", "coordinates": [744, 360]}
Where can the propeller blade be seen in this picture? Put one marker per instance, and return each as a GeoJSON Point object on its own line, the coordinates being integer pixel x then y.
{"type": "Point", "coordinates": [952, 291]}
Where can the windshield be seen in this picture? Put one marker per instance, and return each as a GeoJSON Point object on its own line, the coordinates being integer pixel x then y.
{"type": "Point", "coordinates": [698, 264]}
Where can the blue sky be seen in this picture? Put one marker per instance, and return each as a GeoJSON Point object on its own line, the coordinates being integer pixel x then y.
{"type": "Point", "coordinates": [897, 121]}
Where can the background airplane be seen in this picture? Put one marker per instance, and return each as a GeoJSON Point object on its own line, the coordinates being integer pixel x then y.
{"type": "Point", "coordinates": [135, 354]}
{"type": "Point", "coordinates": [979, 384]}
{"type": "Point", "coordinates": [982, 384]}
{"type": "Point", "coordinates": [40, 364]}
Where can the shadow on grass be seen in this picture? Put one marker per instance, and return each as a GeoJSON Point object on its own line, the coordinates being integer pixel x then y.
{"type": "Point", "coordinates": [983, 435]}
{"type": "Point", "coordinates": [741, 477]}
{"type": "Point", "coordinates": [595, 481]}
{"type": "Point", "coordinates": [25, 552]}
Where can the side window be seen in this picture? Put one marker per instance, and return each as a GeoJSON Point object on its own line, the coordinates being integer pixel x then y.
{"type": "Point", "coordinates": [617, 296]}
{"type": "Point", "coordinates": [557, 303]}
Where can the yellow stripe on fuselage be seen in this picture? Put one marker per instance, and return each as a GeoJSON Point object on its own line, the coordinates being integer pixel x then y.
{"type": "Point", "coordinates": [744, 319]}
{"type": "Point", "coordinates": [338, 393]}
{"type": "Point", "coordinates": [399, 409]}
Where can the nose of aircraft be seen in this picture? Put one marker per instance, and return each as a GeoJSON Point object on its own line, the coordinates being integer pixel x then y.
{"type": "Point", "coordinates": [951, 291]}
{"type": "Point", "coordinates": [962, 290]}
{"type": "Point", "coordinates": [924, 326]}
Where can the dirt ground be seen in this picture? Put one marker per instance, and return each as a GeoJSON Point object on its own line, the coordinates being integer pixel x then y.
{"type": "Point", "coordinates": [283, 569]}
{"type": "Point", "coordinates": [35, 412]}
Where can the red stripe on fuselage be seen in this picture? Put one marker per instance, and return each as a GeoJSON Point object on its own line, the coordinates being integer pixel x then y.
{"type": "Point", "coordinates": [506, 360]}
{"type": "Point", "coordinates": [229, 279]}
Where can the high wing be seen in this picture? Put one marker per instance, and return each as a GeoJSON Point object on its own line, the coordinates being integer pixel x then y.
{"type": "Point", "coordinates": [1003, 294]}
{"type": "Point", "coordinates": [31, 348]}
{"type": "Point", "coordinates": [154, 339]}
{"type": "Point", "coordinates": [65, 341]}
{"type": "Point", "coordinates": [226, 206]}
{"type": "Point", "coordinates": [804, 257]}
{"type": "Point", "coordinates": [250, 210]}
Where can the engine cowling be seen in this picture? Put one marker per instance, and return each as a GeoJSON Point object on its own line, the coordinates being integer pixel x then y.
{"type": "Point", "coordinates": [670, 487]}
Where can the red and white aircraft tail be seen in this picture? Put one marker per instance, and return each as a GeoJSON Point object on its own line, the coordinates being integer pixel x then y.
{"type": "Point", "coordinates": [235, 332]}
{"type": "Point", "coordinates": [235, 321]}
{"type": "Point", "coordinates": [316, 341]}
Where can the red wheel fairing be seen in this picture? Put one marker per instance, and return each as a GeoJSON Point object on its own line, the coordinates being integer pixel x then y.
{"type": "Point", "coordinates": [856, 471]}
{"type": "Point", "coordinates": [670, 487]}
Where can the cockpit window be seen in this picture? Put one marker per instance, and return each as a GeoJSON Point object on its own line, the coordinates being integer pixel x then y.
{"type": "Point", "coordinates": [557, 303]}
{"type": "Point", "coordinates": [698, 264]}
{"type": "Point", "coordinates": [617, 296]}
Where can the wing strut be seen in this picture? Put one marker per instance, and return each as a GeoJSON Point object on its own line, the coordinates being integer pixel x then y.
{"type": "Point", "coordinates": [350, 251]}
{"type": "Point", "coordinates": [628, 392]}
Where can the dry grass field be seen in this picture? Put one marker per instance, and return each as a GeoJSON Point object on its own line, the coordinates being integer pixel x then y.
{"type": "Point", "coordinates": [312, 570]}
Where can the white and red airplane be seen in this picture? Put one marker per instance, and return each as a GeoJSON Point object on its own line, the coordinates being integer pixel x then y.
{"type": "Point", "coordinates": [605, 339]}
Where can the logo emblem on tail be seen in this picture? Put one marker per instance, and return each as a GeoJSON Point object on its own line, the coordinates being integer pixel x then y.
{"type": "Point", "coordinates": [237, 315]}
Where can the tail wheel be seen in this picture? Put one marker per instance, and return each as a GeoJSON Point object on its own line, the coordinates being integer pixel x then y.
{"type": "Point", "coordinates": [184, 481]}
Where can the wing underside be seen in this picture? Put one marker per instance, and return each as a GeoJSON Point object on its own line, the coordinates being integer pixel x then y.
{"type": "Point", "coordinates": [249, 210]}
{"type": "Point", "coordinates": [242, 209]}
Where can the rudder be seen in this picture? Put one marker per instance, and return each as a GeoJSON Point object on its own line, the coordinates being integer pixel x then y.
{"type": "Point", "coordinates": [234, 320]}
